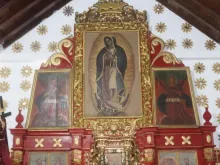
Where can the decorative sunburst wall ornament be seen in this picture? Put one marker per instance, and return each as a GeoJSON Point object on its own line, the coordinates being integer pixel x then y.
{"type": "Point", "coordinates": [200, 83]}
{"type": "Point", "coordinates": [217, 101]}
{"type": "Point", "coordinates": [202, 100]}
{"type": "Point", "coordinates": [66, 29]}
{"type": "Point", "coordinates": [68, 10]}
{"type": "Point", "coordinates": [35, 46]}
{"type": "Point", "coordinates": [217, 85]}
{"type": "Point", "coordinates": [52, 47]}
{"type": "Point", "coordinates": [210, 45]}
{"type": "Point", "coordinates": [42, 30]}
{"type": "Point", "coordinates": [17, 47]}
{"type": "Point", "coordinates": [4, 86]}
{"type": "Point", "coordinates": [186, 27]}
{"type": "Point", "coordinates": [23, 103]}
{"type": "Point", "coordinates": [199, 67]}
{"type": "Point", "coordinates": [5, 104]}
{"type": "Point", "coordinates": [187, 43]}
{"type": "Point", "coordinates": [5, 72]}
{"type": "Point", "coordinates": [25, 85]}
{"type": "Point", "coordinates": [216, 67]}
{"type": "Point", "coordinates": [161, 27]}
{"type": "Point", "coordinates": [170, 44]}
{"type": "Point", "coordinates": [26, 71]}
{"type": "Point", "coordinates": [158, 9]}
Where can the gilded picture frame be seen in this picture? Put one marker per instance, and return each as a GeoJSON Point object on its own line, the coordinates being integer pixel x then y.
{"type": "Point", "coordinates": [51, 100]}
{"type": "Point", "coordinates": [174, 102]}
{"type": "Point", "coordinates": [79, 72]}
{"type": "Point", "coordinates": [177, 157]}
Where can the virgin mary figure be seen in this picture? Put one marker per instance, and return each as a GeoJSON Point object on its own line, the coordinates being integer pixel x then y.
{"type": "Point", "coordinates": [111, 64]}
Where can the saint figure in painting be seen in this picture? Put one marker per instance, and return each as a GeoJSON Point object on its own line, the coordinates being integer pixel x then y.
{"type": "Point", "coordinates": [175, 104]}
{"type": "Point", "coordinates": [52, 105]}
{"type": "Point", "coordinates": [111, 64]}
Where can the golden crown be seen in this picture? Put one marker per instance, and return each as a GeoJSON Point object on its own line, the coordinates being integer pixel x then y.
{"type": "Point", "coordinates": [113, 6]}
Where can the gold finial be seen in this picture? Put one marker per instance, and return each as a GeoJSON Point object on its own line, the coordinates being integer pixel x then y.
{"type": "Point", "coordinates": [112, 6]}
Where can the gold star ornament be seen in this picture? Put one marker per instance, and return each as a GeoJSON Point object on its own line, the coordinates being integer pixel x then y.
{"type": "Point", "coordinates": [161, 27]}
{"type": "Point", "coordinates": [217, 85]}
{"type": "Point", "coordinates": [4, 87]}
{"type": "Point", "coordinates": [210, 45]}
{"type": "Point", "coordinates": [158, 9]}
{"type": "Point", "coordinates": [200, 83]}
{"type": "Point", "coordinates": [17, 47]}
{"type": "Point", "coordinates": [42, 30]}
{"type": "Point", "coordinates": [26, 71]}
{"type": "Point", "coordinates": [216, 67]}
{"type": "Point", "coordinates": [170, 44]}
{"type": "Point", "coordinates": [25, 85]}
{"type": "Point", "coordinates": [5, 72]}
{"type": "Point", "coordinates": [186, 27]}
{"type": "Point", "coordinates": [217, 102]}
{"type": "Point", "coordinates": [199, 67]}
{"type": "Point", "coordinates": [66, 29]}
{"type": "Point", "coordinates": [52, 47]}
{"type": "Point", "coordinates": [35, 46]}
{"type": "Point", "coordinates": [187, 43]}
{"type": "Point", "coordinates": [202, 100]}
{"type": "Point", "coordinates": [23, 103]}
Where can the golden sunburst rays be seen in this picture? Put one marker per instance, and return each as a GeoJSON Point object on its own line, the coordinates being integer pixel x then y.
{"type": "Point", "coordinates": [200, 83]}
{"type": "Point", "coordinates": [210, 45]}
{"type": "Point", "coordinates": [66, 29]}
{"type": "Point", "coordinates": [161, 27]}
{"type": "Point", "coordinates": [25, 85]}
{"type": "Point", "coordinates": [158, 9]}
{"type": "Point", "coordinates": [4, 86]}
{"type": "Point", "coordinates": [187, 43]}
{"type": "Point", "coordinates": [42, 30]}
{"type": "Point", "coordinates": [199, 67]}
{"type": "Point", "coordinates": [68, 10]}
{"type": "Point", "coordinates": [5, 72]}
{"type": "Point", "coordinates": [17, 47]}
{"type": "Point", "coordinates": [170, 44]}
{"type": "Point", "coordinates": [52, 47]}
{"type": "Point", "coordinates": [26, 71]}
{"type": "Point", "coordinates": [202, 100]}
{"type": "Point", "coordinates": [35, 46]}
{"type": "Point", "coordinates": [23, 103]}
{"type": "Point", "coordinates": [217, 102]}
{"type": "Point", "coordinates": [216, 68]}
{"type": "Point", "coordinates": [217, 85]}
{"type": "Point", "coordinates": [186, 27]}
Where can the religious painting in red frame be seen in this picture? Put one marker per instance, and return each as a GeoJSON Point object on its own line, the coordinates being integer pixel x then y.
{"type": "Point", "coordinates": [50, 103]}
{"type": "Point", "coordinates": [173, 98]}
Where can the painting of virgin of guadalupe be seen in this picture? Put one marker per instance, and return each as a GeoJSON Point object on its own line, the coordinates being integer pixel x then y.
{"type": "Point", "coordinates": [112, 76]}
{"type": "Point", "coordinates": [174, 99]}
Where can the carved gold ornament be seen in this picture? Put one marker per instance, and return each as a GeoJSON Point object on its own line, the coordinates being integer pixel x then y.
{"type": "Point", "coordinates": [200, 83]}
{"type": "Point", "coordinates": [52, 46]}
{"type": "Point", "coordinates": [187, 43]}
{"type": "Point", "coordinates": [76, 140]}
{"type": "Point", "coordinates": [149, 139]}
{"type": "Point", "coordinates": [17, 141]}
{"type": "Point", "coordinates": [217, 85]}
{"type": "Point", "coordinates": [186, 140]}
{"type": "Point", "coordinates": [199, 67]}
{"type": "Point", "coordinates": [216, 68]}
{"type": "Point", "coordinates": [217, 102]}
{"type": "Point", "coordinates": [112, 11]}
{"type": "Point", "coordinates": [161, 27]}
{"type": "Point", "coordinates": [25, 85]}
{"type": "Point", "coordinates": [17, 47]}
{"type": "Point", "coordinates": [4, 86]}
{"type": "Point", "coordinates": [186, 27]}
{"type": "Point", "coordinates": [202, 100]}
{"type": "Point", "coordinates": [57, 142]}
{"type": "Point", "coordinates": [35, 46]}
{"type": "Point", "coordinates": [170, 44]}
{"type": "Point", "coordinates": [210, 45]}
{"type": "Point", "coordinates": [23, 103]}
{"type": "Point", "coordinates": [208, 138]}
{"type": "Point", "coordinates": [55, 59]}
{"type": "Point", "coordinates": [39, 143]}
{"type": "Point", "coordinates": [149, 155]}
{"type": "Point", "coordinates": [42, 30]}
{"type": "Point", "coordinates": [169, 140]}
{"type": "Point", "coordinates": [5, 72]}
{"type": "Point", "coordinates": [66, 29]}
{"type": "Point", "coordinates": [26, 71]}
{"type": "Point", "coordinates": [77, 156]}
{"type": "Point", "coordinates": [158, 9]}
{"type": "Point", "coordinates": [209, 154]}
{"type": "Point", "coordinates": [17, 157]}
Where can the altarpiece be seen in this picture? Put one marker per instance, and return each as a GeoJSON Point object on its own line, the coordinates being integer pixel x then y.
{"type": "Point", "coordinates": [112, 95]}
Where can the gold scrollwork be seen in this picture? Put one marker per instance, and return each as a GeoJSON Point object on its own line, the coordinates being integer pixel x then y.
{"type": "Point", "coordinates": [17, 157]}
{"type": "Point", "coordinates": [55, 59]}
